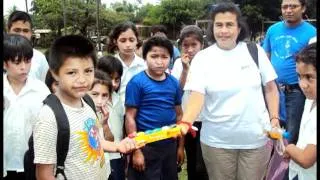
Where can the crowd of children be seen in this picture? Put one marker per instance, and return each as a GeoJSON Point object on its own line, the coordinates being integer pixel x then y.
{"type": "Point", "coordinates": [130, 94]}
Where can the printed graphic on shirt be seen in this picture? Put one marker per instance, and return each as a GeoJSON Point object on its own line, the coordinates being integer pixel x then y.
{"type": "Point", "coordinates": [89, 141]}
{"type": "Point", "coordinates": [288, 41]}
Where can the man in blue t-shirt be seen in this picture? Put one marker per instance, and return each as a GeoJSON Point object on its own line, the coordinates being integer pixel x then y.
{"type": "Point", "coordinates": [153, 100]}
{"type": "Point", "coordinates": [282, 42]}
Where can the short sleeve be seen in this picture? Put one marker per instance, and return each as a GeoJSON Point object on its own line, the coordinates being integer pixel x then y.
{"type": "Point", "coordinates": [177, 69]}
{"type": "Point", "coordinates": [312, 139]}
{"type": "Point", "coordinates": [133, 92]}
{"type": "Point", "coordinates": [45, 137]}
{"type": "Point", "coordinates": [266, 43]}
{"type": "Point", "coordinates": [196, 75]}
{"type": "Point", "coordinates": [44, 68]}
{"type": "Point", "coordinates": [265, 67]}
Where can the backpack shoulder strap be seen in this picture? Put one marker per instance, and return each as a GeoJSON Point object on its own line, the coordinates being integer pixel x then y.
{"type": "Point", "coordinates": [63, 137]}
{"type": "Point", "coordinates": [253, 50]}
{"type": "Point", "coordinates": [90, 102]}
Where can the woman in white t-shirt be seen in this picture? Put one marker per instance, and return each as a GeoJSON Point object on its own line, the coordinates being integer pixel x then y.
{"type": "Point", "coordinates": [226, 89]}
{"type": "Point", "coordinates": [303, 155]}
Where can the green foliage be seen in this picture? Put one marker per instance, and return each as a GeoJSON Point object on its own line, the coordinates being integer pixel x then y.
{"type": "Point", "coordinates": [124, 6]}
{"type": "Point", "coordinates": [150, 14]}
{"type": "Point", "coordinates": [254, 17]}
{"type": "Point", "coordinates": [14, 8]}
{"type": "Point", "coordinates": [47, 14]}
{"type": "Point", "coordinates": [174, 13]}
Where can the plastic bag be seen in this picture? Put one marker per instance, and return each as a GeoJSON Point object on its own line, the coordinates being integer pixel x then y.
{"type": "Point", "coordinates": [278, 165]}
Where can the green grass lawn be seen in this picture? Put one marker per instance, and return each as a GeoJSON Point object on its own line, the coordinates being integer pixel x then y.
{"type": "Point", "coordinates": [183, 173]}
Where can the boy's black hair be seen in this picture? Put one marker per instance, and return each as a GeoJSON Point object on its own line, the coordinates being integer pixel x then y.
{"type": "Point", "coordinates": [16, 47]}
{"type": "Point", "coordinates": [159, 41]}
{"type": "Point", "coordinates": [110, 65]}
{"type": "Point", "coordinates": [115, 33]}
{"type": "Point", "coordinates": [70, 46]}
{"type": "Point", "coordinates": [224, 7]}
{"type": "Point", "coordinates": [159, 28]}
{"type": "Point", "coordinates": [50, 81]}
{"type": "Point", "coordinates": [308, 55]}
{"type": "Point", "coordinates": [100, 77]}
{"type": "Point", "coordinates": [191, 30]}
{"type": "Point", "coordinates": [19, 16]}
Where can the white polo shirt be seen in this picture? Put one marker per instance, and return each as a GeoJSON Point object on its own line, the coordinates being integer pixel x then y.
{"type": "Point", "coordinates": [234, 114]}
{"type": "Point", "coordinates": [39, 66]}
{"type": "Point", "coordinates": [19, 115]}
{"type": "Point", "coordinates": [307, 135]}
{"type": "Point", "coordinates": [135, 67]}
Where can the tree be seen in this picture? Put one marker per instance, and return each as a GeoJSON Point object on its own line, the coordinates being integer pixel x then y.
{"type": "Point", "coordinates": [48, 14]}
{"type": "Point", "coordinates": [124, 6]}
{"type": "Point", "coordinates": [174, 13]}
{"type": "Point", "coordinates": [11, 10]}
{"type": "Point", "coordinates": [80, 15]}
{"type": "Point", "coordinates": [254, 18]}
{"type": "Point", "coordinates": [149, 14]}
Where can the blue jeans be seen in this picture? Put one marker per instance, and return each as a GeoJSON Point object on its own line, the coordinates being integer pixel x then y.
{"type": "Point", "coordinates": [294, 109]}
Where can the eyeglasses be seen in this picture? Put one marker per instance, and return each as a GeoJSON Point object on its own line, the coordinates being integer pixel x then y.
{"type": "Point", "coordinates": [291, 6]}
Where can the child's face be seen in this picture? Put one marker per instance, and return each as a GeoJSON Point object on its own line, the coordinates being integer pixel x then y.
{"type": "Point", "coordinates": [190, 46]}
{"type": "Point", "coordinates": [157, 59]}
{"type": "Point", "coordinates": [127, 43]}
{"type": "Point", "coordinates": [100, 95]}
{"type": "Point", "coordinates": [18, 71]}
{"type": "Point", "coordinates": [75, 77]}
{"type": "Point", "coordinates": [307, 79]}
{"type": "Point", "coordinates": [116, 79]}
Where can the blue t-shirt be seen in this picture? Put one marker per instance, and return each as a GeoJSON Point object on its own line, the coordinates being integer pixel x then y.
{"type": "Point", "coordinates": [284, 43]}
{"type": "Point", "coordinates": [155, 100]}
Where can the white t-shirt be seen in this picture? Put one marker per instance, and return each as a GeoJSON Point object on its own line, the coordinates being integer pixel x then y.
{"type": "Point", "coordinates": [85, 158]}
{"type": "Point", "coordinates": [19, 114]}
{"type": "Point", "coordinates": [307, 135]}
{"type": "Point", "coordinates": [177, 68]}
{"type": "Point", "coordinates": [39, 66]}
{"type": "Point", "coordinates": [176, 72]}
{"type": "Point", "coordinates": [116, 115]}
{"type": "Point", "coordinates": [135, 67]}
{"type": "Point", "coordinates": [234, 114]}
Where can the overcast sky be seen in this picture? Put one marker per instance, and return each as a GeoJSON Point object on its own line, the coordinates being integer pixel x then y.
{"type": "Point", "coordinates": [21, 5]}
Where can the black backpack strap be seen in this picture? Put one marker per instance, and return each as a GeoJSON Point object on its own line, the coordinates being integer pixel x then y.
{"type": "Point", "coordinates": [63, 137]}
{"type": "Point", "coordinates": [90, 102]}
{"type": "Point", "coordinates": [253, 50]}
